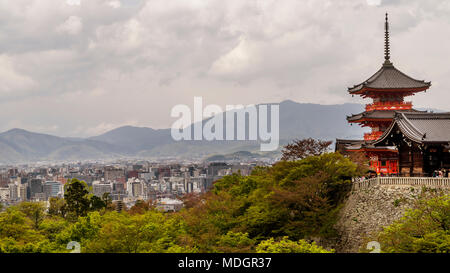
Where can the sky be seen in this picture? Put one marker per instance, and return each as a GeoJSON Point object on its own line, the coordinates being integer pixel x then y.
{"type": "Point", "coordinates": [83, 67]}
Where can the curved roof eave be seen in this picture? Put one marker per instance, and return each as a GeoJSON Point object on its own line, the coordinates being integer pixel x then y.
{"type": "Point", "coordinates": [405, 126]}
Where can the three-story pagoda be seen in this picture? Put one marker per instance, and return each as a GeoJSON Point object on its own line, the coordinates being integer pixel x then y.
{"type": "Point", "coordinates": [387, 88]}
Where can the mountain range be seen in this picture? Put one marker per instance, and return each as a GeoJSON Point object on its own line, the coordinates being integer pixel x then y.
{"type": "Point", "coordinates": [297, 120]}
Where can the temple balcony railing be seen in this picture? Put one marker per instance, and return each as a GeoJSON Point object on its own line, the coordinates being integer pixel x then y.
{"type": "Point", "coordinates": [389, 105]}
{"type": "Point", "coordinates": [373, 136]}
{"type": "Point", "coordinates": [431, 182]}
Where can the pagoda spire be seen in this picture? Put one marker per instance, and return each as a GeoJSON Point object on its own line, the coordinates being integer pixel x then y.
{"type": "Point", "coordinates": [387, 52]}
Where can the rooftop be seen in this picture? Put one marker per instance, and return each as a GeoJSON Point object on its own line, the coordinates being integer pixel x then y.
{"type": "Point", "coordinates": [377, 115]}
{"type": "Point", "coordinates": [421, 127]}
{"type": "Point", "coordinates": [389, 78]}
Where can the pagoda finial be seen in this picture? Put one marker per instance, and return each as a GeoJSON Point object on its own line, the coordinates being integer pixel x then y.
{"type": "Point", "coordinates": [387, 52]}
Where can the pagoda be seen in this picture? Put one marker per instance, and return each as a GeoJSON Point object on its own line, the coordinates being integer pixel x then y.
{"type": "Point", "coordinates": [387, 88]}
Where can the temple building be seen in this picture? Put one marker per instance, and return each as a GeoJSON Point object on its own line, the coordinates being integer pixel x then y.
{"type": "Point", "coordinates": [402, 140]}
{"type": "Point", "coordinates": [421, 141]}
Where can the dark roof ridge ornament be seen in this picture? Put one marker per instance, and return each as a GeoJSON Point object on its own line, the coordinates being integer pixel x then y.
{"type": "Point", "coordinates": [387, 50]}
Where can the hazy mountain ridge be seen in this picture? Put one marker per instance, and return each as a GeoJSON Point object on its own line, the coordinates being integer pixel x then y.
{"type": "Point", "coordinates": [297, 120]}
{"type": "Point", "coordinates": [17, 146]}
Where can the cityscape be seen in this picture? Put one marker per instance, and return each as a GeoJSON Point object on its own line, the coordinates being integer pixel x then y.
{"type": "Point", "coordinates": [237, 136]}
{"type": "Point", "coordinates": [123, 181]}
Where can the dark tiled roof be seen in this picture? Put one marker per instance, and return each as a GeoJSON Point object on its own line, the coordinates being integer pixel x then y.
{"type": "Point", "coordinates": [372, 115]}
{"type": "Point", "coordinates": [367, 145]}
{"type": "Point", "coordinates": [356, 145]}
{"type": "Point", "coordinates": [421, 127]}
{"type": "Point", "coordinates": [349, 141]}
{"type": "Point", "coordinates": [344, 144]}
{"type": "Point", "coordinates": [389, 77]}
{"type": "Point", "coordinates": [376, 114]}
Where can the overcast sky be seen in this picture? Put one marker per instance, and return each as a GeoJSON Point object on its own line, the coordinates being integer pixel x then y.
{"type": "Point", "coordinates": [82, 67]}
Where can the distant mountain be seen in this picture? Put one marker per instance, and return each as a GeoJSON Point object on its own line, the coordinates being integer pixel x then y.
{"type": "Point", "coordinates": [237, 156]}
{"type": "Point", "coordinates": [327, 122]}
{"type": "Point", "coordinates": [135, 139]}
{"type": "Point", "coordinates": [19, 146]}
{"type": "Point", "coordinates": [297, 120]}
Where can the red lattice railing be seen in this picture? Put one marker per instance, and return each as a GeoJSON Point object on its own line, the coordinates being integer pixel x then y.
{"type": "Point", "coordinates": [389, 105]}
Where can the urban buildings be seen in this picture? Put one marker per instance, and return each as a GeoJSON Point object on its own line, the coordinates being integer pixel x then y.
{"type": "Point", "coordinates": [124, 181]}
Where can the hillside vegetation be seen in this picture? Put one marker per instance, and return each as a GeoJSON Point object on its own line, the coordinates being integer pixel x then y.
{"type": "Point", "coordinates": [276, 209]}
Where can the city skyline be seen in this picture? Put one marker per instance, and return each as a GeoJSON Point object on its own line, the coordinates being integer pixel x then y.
{"type": "Point", "coordinates": [81, 68]}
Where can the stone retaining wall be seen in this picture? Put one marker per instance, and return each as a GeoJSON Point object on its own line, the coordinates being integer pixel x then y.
{"type": "Point", "coordinates": [375, 203]}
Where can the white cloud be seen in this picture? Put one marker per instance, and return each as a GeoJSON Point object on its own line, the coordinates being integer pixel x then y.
{"type": "Point", "coordinates": [234, 62]}
{"type": "Point", "coordinates": [122, 61]}
{"type": "Point", "coordinates": [73, 25]}
{"type": "Point", "coordinates": [374, 2]}
{"type": "Point", "coordinates": [115, 4]}
{"type": "Point", "coordinates": [73, 2]}
{"type": "Point", "coordinates": [12, 82]}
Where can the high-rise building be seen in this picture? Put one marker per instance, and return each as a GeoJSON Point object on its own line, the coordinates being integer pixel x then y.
{"type": "Point", "coordinates": [4, 194]}
{"type": "Point", "coordinates": [22, 192]}
{"type": "Point", "coordinates": [35, 186]}
{"type": "Point", "coordinates": [52, 189]}
{"type": "Point", "coordinates": [114, 174]}
{"type": "Point", "coordinates": [13, 192]}
{"type": "Point", "coordinates": [100, 189]}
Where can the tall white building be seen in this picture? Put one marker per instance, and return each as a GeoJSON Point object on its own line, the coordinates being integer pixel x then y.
{"type": "Point", "coordinates": [4, 194]}
{"type": "Point", "coordinates": [136, 188]}
{"type": "Point", "coordinates": [13, 192]}
{"type": "Point", "coordinates": [100, 189]}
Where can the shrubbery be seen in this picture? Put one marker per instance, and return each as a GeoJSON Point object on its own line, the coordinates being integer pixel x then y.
{"type": "Point", "coordinates": [276, 209]}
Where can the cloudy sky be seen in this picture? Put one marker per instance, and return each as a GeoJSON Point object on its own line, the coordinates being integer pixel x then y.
{"type": "Point", "coordinates": [82, 67]}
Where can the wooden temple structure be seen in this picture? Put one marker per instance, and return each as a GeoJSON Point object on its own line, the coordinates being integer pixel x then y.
{"type": "Point", "coordinates": [402, 141]}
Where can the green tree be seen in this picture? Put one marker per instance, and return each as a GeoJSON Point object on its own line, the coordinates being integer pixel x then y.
{"type": "Point", "coordinates": [106, 197]}
{"type": "Point", "coordinates": [96, 203]}
{"type": "Point", "coordinates": [235, 242]}
{"type": "Point", "coordinates": [17, 233]}
{"type": "Point", "coordinates": [287, 246]}
{"type": "Point", "coordinates": [35, 211]}
{"type": "Point", "coordinates": [423, 229]}
{"type": "Point", "coordinates": [151, 231]}
{"type": "Point", "coordinates": [57, 207]}
{"type": "Point", "coordinates": [300, 199]}
{"type": "Point", "coordinates": [77, 197]}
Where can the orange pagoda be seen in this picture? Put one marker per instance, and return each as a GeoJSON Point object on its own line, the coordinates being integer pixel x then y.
{"type": "Point", "coordinates": [387, 88]}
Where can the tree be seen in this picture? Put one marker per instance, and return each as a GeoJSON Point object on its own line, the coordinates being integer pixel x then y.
{"type": "Point", "coordinates": [96, 203]}
{"type": "Point", "coordinates": [235, 242]}
{"type": "Point", "coordinates": [17, 232]}
{"type": "Point", "coordinates": [107, 199]}
{"type": "Point", "coordinates": [299, 199]}
{"type": "Point", "coordinates": [304, 204]}
{"type": "Point", "coordinates": [57, 207]}
{"type": "Point", "coordinates": [35, 211]}
{"type": "Point", "coordinates": [151, 231]}
{"type": "Point", "coordinates": [77, 197]}
{"type": "Point", "coordinates": [287, 246]}
{"type": "Point", "coordinates": [423, 229]}
{"type": "Point", "coordinates": [51, 227]}
{"type": "Point", "coordinates": [300, 149]}
{"type": "Point", "coordinates": [191, 199]}
{"type": "Point", "coordinates": [141, 207]}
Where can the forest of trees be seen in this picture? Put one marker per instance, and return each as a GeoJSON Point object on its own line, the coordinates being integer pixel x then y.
{"type": "Point", "coordinates": [277, 209]}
